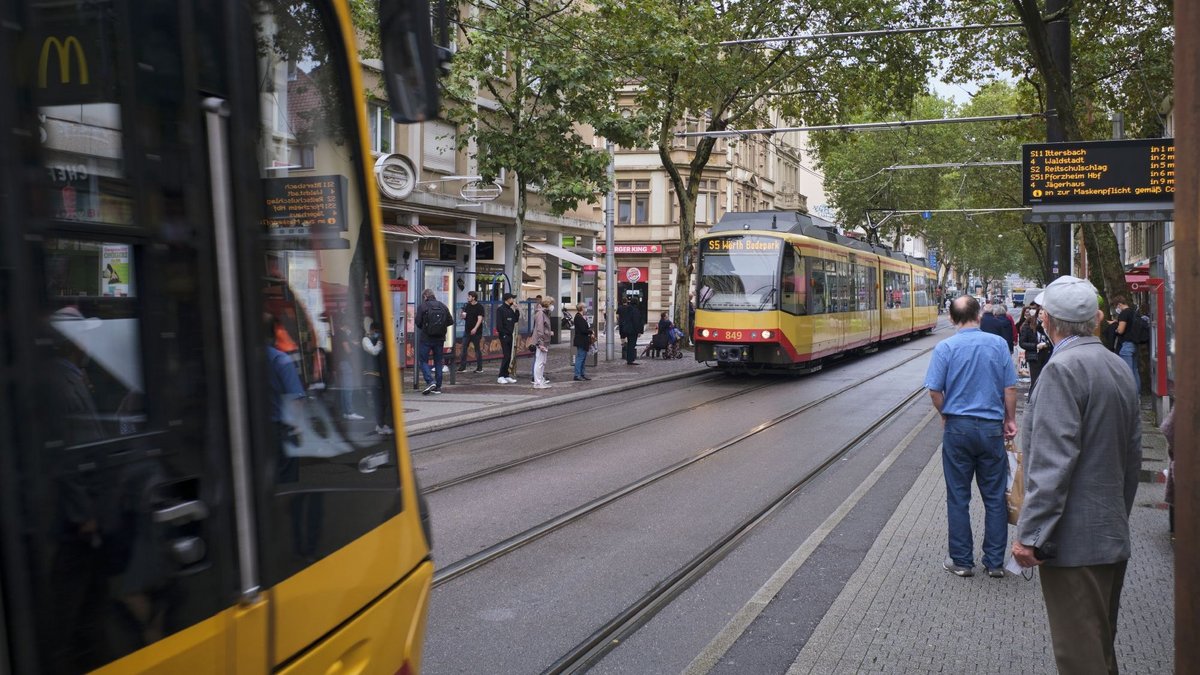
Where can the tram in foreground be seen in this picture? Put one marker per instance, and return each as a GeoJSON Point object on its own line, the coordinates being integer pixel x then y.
{"type": "Point", "coordinates": [188, 224]}
{"type": "Point", "coordinates": [782, 290]}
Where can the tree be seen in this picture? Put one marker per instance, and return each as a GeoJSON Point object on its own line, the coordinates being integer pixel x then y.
{"type": "Point", "coordinates": [1121, 61]}
{"type": "Point", "coordinates": [856, 167]}
{"type": "Point", "coordinates": [534, 59]}
{"type": "Point", "coordinates": [680, 77]}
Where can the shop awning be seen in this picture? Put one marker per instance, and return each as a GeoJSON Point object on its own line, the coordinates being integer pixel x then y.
{"type": "Point", "coordinates": [563, 254]}
{"type": "Point", "coordinates": [415, 232]}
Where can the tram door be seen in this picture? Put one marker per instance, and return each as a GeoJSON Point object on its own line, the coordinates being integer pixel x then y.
{"type": "Point", "coordinates": [149, 490]}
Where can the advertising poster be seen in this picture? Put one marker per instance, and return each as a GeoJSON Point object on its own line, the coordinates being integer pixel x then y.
{"type": "Point", "coordinates": [116, 272]}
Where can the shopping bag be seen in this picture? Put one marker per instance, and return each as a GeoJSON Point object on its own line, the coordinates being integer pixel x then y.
{"type": "Point", "coordinates": [1014, 494]}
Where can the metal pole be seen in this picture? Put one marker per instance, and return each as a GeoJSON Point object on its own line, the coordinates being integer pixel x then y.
{"type": "Point", "coordinates": [1187, 335]}
{"type": "Point", "coordinates": [1118, 132]}
{"type": "Point", "coordinates": [610, 260]}
{"type": "Point", "coordinates": [1058, 34]}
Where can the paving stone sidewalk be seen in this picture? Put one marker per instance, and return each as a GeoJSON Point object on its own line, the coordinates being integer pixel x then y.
{"type": "Point", "coordinates": [902, 613]}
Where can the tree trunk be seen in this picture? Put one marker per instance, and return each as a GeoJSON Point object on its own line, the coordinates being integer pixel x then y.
{"type": "Point", "coordinates": [513, 266]}
{"type": "Point", "coordinates": [685, 264]}
{"type": "Point", "coordinates": [1105, 269]}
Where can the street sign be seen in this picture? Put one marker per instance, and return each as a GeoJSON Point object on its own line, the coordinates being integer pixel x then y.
{"type": "Point", "coordinates": [1098, 172]}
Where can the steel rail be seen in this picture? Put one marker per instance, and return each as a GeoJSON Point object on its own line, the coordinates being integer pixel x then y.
{"type": "Point", "coordinates": [637, 614]}
{"type": "Point", "coordinates": [499, 468]}
{"type": "Point", "coordinates": [541, 420]}
{"type": "Point", "coordinates": [517, 541]}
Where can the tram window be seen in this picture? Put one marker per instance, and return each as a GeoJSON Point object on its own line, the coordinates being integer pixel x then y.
{"type": "Point", "coordinates": [335, 471]}
{"type": "Point", "coordinates": [740, 274]}
{"type": "Point", "coordinates": [843, 287]}
{"type": "Point", "coordinates": [896, 291]}
{"type": "Point", "coordinates": [794, 290]}
{"type": "Point", "coordinates": [818, 297]}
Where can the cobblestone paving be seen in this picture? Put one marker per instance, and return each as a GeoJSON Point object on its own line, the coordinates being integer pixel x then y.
{"type": "Point", "coordinates": [902, 613]}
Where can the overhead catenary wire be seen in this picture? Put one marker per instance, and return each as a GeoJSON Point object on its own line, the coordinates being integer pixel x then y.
{"type": "Point", "coordinates": [869, 33]}
{"type": "Point", "coordinates": [951, 165]}
{"type": "Point", "coordinates": [866, 126]}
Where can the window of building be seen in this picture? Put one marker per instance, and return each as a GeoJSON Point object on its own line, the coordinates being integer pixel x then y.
{"type": "Point", "coordinates": [633, 202]}
{"type": "Point", "coordinates": [439, 146]}
{"type": "Point", "coordinates": [379, 124]}
{"type": "Point", "coordinates": [706, 202]}
{"type": "Point", "coordinates": [302, 156]}
{"type": "Point", "coordinates": [692, 125]}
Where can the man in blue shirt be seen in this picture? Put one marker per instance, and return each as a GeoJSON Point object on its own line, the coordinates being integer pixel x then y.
{"type": "Point", "coordinates": [973, 384]}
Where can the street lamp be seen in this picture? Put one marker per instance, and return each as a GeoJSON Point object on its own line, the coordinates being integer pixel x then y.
{"type": "Point", "coordinates": [610, 269]}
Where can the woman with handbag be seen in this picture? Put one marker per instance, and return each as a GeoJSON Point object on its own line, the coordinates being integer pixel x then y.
{"type": "Point", "coordinates": [583, 340]}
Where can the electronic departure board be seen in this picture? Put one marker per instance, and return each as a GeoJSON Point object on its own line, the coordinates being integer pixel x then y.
{"type": "Point", "coordinates": [1099, 172]}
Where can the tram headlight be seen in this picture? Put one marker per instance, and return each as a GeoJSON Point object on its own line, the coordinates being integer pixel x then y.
{"type": "Point", "coordinates": [766, 334]}
{"type": "Point", "coordinates": [704, 332]}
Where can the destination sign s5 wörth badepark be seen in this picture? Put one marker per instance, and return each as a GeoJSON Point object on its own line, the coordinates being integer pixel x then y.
{"type": "Point", "coordinates": [1138, 170]}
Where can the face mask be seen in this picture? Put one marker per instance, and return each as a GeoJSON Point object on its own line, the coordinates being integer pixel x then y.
{"type": "Point", "coordinates": [550, 308]}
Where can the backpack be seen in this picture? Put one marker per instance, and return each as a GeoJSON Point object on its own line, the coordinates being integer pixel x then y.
{"type": "Point", "coordinates": [435, 320]}
{"type": "Point", "coordinates": [1139, 329]}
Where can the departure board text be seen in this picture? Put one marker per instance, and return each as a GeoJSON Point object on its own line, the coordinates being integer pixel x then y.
{"type": "Point", "coordinates": [1139, 170]}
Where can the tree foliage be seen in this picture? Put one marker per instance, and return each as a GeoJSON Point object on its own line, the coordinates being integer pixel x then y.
{"type": "Point", "coordinates": [681, 73]}
{"type": "Point", "coordinates": [1121, 61]}
{"type": "Point", "coordinates": [536, 60]}
{"type": "Point", "coordinates": [864, 189]}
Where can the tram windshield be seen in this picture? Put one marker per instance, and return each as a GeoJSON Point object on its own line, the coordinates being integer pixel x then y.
{"type": "Point", "coordinates": [739, 273]}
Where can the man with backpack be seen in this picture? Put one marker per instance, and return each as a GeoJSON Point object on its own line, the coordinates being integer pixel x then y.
{"type": "Point", "coordinates": [1131, 332]}
{"type": "Point", "coordinates": [432, 320]}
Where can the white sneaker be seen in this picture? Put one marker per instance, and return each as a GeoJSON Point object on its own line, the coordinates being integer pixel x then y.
{"type": "Point", "coordinates": [544, 385]}
{"type": "Point", "coordinates": [501, 380]}
{"type": "Point", "coordinates": [352, 416]}
{"type": "Point", "coordinates": [512, 380]}
{"type": "Point", "coordinates": [383, 430]}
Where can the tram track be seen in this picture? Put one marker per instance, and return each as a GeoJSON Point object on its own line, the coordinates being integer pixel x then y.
{"type": "Point", "coordinates": [499, 468]}
{"type": "Point", "coordinates": [517, 541]}
{"type": "Point", "coordinates": [589, 651]}
{"type": "Point", "coordinates": [454, 442]}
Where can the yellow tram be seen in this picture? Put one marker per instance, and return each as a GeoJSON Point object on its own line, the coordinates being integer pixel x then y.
{"type": "Point", "coordinates": [783, 290]}
{"type": "Point", "coordinates": [189, 223]}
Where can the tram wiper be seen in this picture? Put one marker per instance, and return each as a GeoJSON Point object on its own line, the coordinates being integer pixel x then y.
{"type": "Point", "coordinates": [767, 298]}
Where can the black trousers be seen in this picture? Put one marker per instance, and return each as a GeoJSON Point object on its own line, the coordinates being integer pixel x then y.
{"type": "Point", "coordinates": [506, 349]}
{"type": "Point", "coordinates": [469, 339]}
{"type": "Point", "coordinates": [631, 349]}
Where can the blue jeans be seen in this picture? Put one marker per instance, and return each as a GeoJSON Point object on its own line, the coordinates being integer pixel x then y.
{"type": "Point", "coordinates": [581, 354]}
{"type": "Point", "coordinates": [423, 359]}
{"type": "Point", "coordinates": [975, 447]}
{"type": "Point", "coordinates": [1128, 354]}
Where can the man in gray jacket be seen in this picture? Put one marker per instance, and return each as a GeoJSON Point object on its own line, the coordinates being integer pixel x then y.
{"type": "Point", "coordinates": [1083, 450]}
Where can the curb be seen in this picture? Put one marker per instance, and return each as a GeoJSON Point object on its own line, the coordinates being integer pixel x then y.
{"type": "Point", "coordinates": [525, 406]}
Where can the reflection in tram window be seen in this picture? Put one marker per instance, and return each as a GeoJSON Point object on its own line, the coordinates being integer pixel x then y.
{"type": "Point", "coordinates": [322, 298]}
{"type": "Point", "coordinates": [98, 352]}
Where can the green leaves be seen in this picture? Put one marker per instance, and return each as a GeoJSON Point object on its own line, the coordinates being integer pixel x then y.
{"type": "Point", "coordinates": [857, 177]}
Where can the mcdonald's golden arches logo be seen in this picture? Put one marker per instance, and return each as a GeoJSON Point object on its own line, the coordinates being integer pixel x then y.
{"type": "Point", "coordinates": [63, 49]}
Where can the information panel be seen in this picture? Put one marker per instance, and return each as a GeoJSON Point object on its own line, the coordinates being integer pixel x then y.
{"type": "Point", "coordinates": [1099, 172]}
{"type": "Point", "coordinates": [296, 204]}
